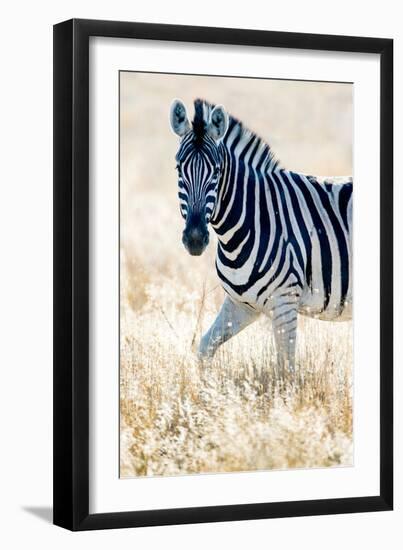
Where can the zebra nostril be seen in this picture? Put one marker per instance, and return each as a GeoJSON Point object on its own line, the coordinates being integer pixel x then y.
{"type": "Point", "coordinates": [186, 239]}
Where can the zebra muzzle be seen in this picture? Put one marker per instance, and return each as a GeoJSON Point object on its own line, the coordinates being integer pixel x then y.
{"type": "Point", "coordinates": [195, 240]}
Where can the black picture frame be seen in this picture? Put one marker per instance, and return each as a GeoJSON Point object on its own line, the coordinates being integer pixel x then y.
{"type": "Point", "coordinates": [71, 274]}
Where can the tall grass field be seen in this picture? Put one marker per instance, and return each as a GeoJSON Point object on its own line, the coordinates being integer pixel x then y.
{"type": "Point", "coordinates": [178, 416]}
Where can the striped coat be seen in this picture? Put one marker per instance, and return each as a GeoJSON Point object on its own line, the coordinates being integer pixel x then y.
{"type": "Point", "coordinates": [284, 238]}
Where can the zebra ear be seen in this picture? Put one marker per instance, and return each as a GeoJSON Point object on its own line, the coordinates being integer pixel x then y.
{"type": "Point", "coordinates": [178, 118]}
{"type": "Point", "coordinates": [218, 124]}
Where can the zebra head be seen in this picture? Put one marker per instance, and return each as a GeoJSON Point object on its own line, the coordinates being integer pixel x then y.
{"type": "Point", "coordinates": [199, 165]}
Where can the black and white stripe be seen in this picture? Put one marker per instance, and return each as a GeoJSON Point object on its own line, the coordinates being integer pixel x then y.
{"type": "Point", "coordinates": [284, 238]}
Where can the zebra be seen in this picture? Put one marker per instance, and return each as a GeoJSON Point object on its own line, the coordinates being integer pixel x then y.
{"type": "Point", "coordinates": [284, 239]}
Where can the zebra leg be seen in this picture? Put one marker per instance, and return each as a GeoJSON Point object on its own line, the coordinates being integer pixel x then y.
{"type": "Point", "coordinates": [284, 320]}
{"type": "Point", "coordinates": [232, 318]}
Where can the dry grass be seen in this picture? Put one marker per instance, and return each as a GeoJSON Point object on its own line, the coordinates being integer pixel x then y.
{"type": "Point", "coordinates": [176, 416]}
{"type": "Point", "coordinates": [180, 417]}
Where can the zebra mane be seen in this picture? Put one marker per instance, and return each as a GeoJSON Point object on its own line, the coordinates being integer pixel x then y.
{"type": "Point", "coordinates": [203, 109]}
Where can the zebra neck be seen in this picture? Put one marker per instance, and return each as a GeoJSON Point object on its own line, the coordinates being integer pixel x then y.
{"type": "Point", "coordinates": [248, 165]}
{"type": "Point", "coordinates": [241, 190]}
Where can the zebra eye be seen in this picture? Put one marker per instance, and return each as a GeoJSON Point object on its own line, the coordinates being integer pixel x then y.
{"type": "Point", "coordinates": [216, 170]}
{"type": "Point", "coordinates": [178, 167]}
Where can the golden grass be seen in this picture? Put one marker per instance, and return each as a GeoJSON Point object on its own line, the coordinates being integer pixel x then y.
{"type": "Point", "coordinates": [180, 417]}
{"type": "Point", "coordinates": [177, 417]}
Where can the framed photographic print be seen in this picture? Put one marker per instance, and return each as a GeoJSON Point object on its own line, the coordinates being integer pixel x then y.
{"type": "Point", "coordinates": [223, 320]}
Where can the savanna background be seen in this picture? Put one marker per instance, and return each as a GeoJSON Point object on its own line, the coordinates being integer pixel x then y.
{"type": "Point", "coordinates": [176, 416]}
